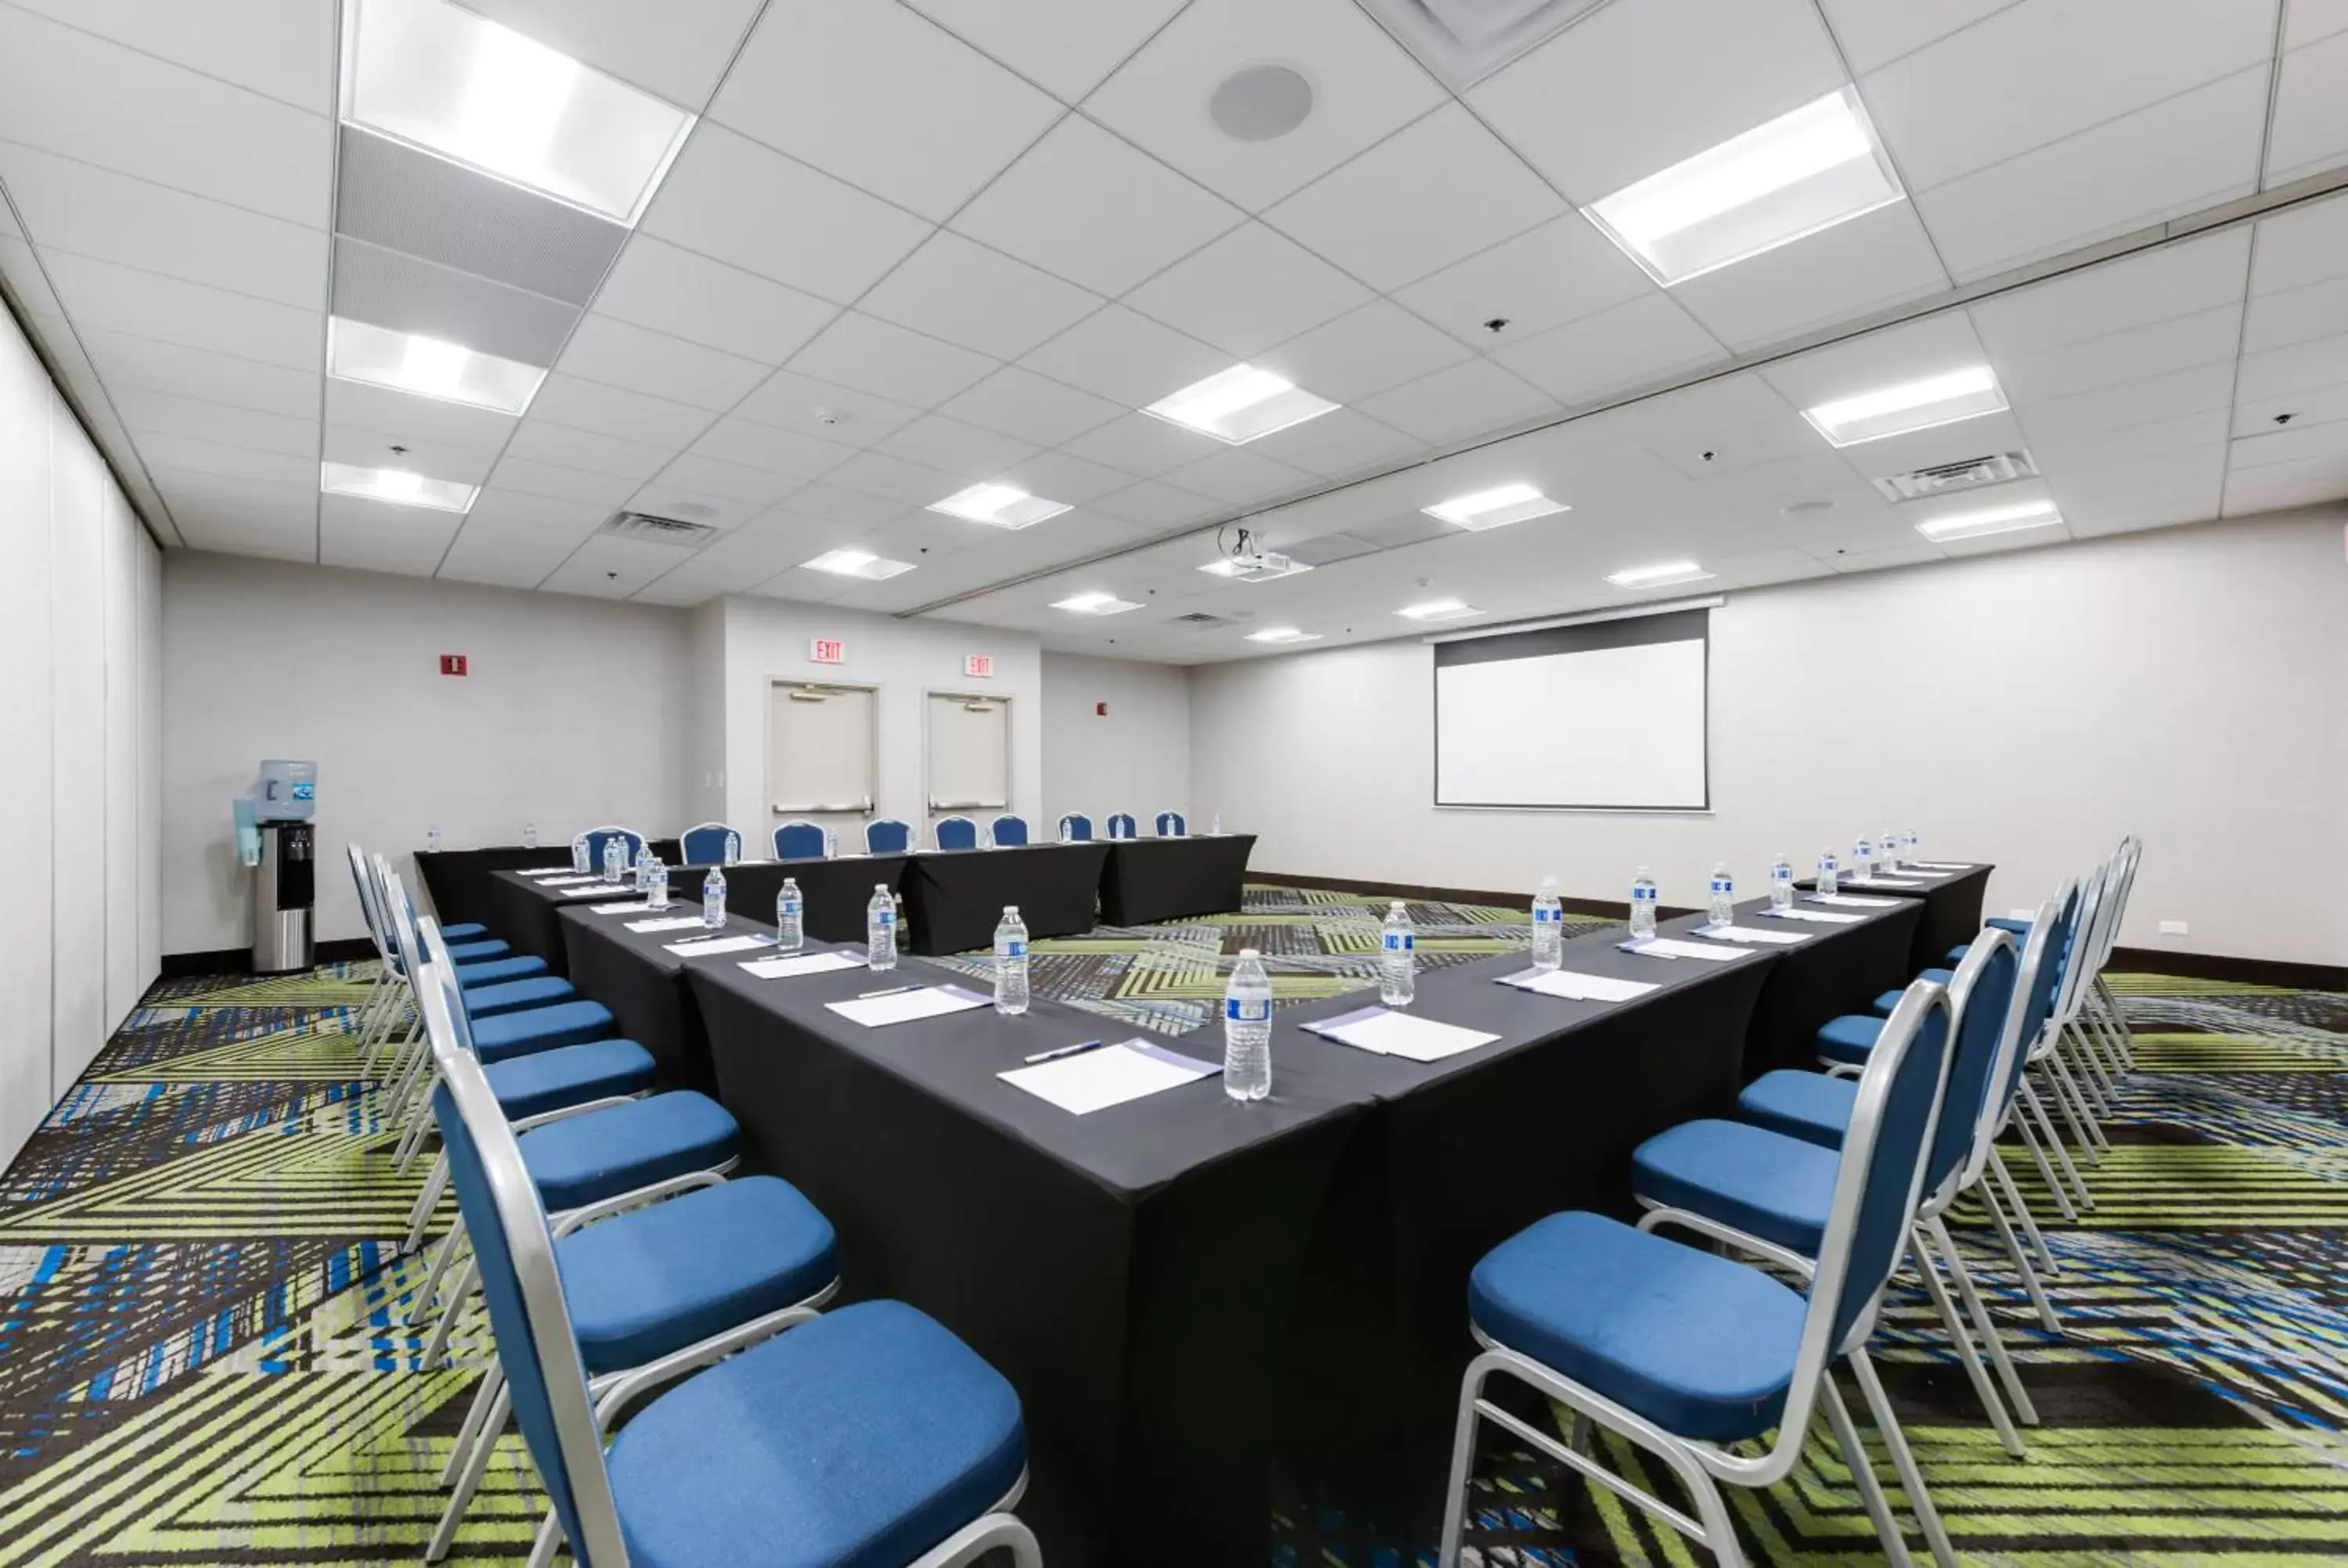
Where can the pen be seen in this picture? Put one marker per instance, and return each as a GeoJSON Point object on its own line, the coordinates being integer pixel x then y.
{"type": "Point", "coordinates": [890, 991]}
{"type": "Point", "coordinates": [1075, 1049]}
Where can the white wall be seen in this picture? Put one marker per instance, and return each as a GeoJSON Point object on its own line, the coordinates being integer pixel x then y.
{"type": "Point", "coordinates": [78, 640]}
{"type": "Point", "coordinates": [2026, 707]}
{"type": "Point", "coordinates": [574, 713]}
{"type": "Point", "coordinates": [1136, 759]}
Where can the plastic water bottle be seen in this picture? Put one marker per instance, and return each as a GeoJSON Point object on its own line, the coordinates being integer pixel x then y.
{"type": "Point", "coordinates": [529, 836]}
{"type": "Point", "coordinates": [1863, 860]}
{"type": "Point", "coordinates": [1890, 855]}
{"type": "Point", "coordinates": [1010, 963]}
{"type": "Point", "coordinates": [790, 917]}
{"type": "Point", "coordinates": [579, 855]}
{"type": "Point", "coordinates": [657, 889]}
{"type": "Point", "coordinates": [643, 863]}
{"type": "Point", "coordinates": [880, 930]}
{"type": "Point", "coordinates": [1247, 1029]}
{"type": "Point", "coordinates": [1215, 824]}
{"type": "Point", "coordinates": [432, 839]}
{"type": "Point", "coordinates": [1827, 882]}
{"type": "Point", "coordinates": [1548, 926]}
{"type": "Point", "coordinates": [831, 845]}
{"type": "Point", "coordinates": [1722, 906]}
{"type": "Point", "coordinates": [1781, 883]}
{"type": "Point", "coordinates": [1642, 906]}
{"type": "Point", "coordinates": [616, 859]}
{"type": "Point", "coordinates": [1908, 847]}
{"type": "Point", "coordinates": [733, 850]}
{"type": "Point", "coordinates": [1397, 959]}
{"type": "Point", "coordinates": [712, 899]}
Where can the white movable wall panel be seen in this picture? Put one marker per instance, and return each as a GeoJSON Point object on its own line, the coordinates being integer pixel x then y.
{"type": "Point", "coordinates": [25, 1085]}
{"type": "Point", "coordinates": [150, 757]}
{"type": "Point", "coordinates": [78, 486]}
{"type": "Point", "coordinates": [125, 980]}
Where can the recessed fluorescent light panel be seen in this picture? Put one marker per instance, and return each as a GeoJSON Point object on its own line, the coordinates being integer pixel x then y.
{"type": "Point", "coordinates": [1808, 170]}
{"type": "Point", "coordinates": [1664, 574]}
{"type": "Point", "coordinates": [1239, 405]}
{"type": "Point", "coordinates": [430, 368]}
{"type": "Point", "coordinates": [1004, 505]}
{"type": "Point", "coordinates": [1283, 635]}
{"type": "Point", "coordinates": [1491, 508]}
{"type": "Point", "coordinates": [1094, 604]}
{"type": "Point", "coordinates": [456, 84]}
{"type": "Point", "coordinates": [858, 563]}
{"type": "Point", "coordinates": [1942, 399]}
{"type": "Point", "coordinates": [1974, 525]}
{"type": "Point", "coordinates": [1438, 609]}
{"type": "Point", "coordinates": [396, 485]}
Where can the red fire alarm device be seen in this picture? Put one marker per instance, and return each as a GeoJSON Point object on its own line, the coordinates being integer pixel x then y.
{"type": "Point", "coordinates": [1100, 710]}
{"type": "Point", "coordinates": [452, 664]}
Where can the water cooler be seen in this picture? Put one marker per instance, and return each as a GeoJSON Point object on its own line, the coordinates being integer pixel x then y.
{"type": "Point", "coordinates": [275, 838]}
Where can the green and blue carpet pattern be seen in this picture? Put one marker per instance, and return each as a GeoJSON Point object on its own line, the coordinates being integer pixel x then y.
{"type": "Point", "coordinates": [202, 1360]}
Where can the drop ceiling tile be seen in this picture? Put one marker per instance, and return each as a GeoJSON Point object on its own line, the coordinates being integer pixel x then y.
{"type": "Point", "coordinates": [1962, 441]}
{"type": "Point", "coordinates": [954, 448]}
{"type": "Point", "coordinates": [1558, 273]}
{"type": "Point", "coordinates": [584, 404]}
{"type": "Point", "coordinates": [494, 566]}
{"type": "Point", "coordinates": [544, 441]}
{"type": "Point", "coordinates": [2300, 368]}
{"type": "Point", "coordinates": [637, 359]}
{"type": "Point", "coordinates": [958, 290]}
{"type": "Point", "coordinates": [883, 98]}
{"type": "Point", "coordinates": [1464, 401]}
{"type": "Point", "coordinates": [2311, 112]}
{"type": "Point", "coordinates": [401, 293]}
{"type": "Point", "coordinates": [1363, 352]}
{"type": "Point", "coordinates": [1709, 431]}
{"type": "Point", "coordinates": [1065, 478]}
{"type": "Point", "coordinates": [1065, 47]}
{"type": "Point", "coordinates": [1640, 84]}
{"type": "Point", "coordinates": [1247, 291]}
{"type": "Point", "coordinates": [732, 481]}
{"type": "Point", "coordinates": [1157, 504]}
{"type": "Point", "coordinates": [678, 49]}
{"type": "Point", "coordinates": [844, 511]}
{"type": "Point", "coordinates": [1642, 341]}
{"type": "Point", "coordinates": [94, 211]}
{"type": "Point", "coordinates": [769, 447]}
{"type": "Point", "coordinates": [1087, 207]}
{"type": "Point", "coordinates": [1034, 408]}
{"type": "Point", "coordinates": [2306, 245]}
{"type": "Point", "coordinates": [2169, 396]}
{"type": "Point", "coordinates": [2175, 280]}
{"type": "Point", "coordinates": [513, 514]}
{"type": "Point", "coordinates": [1909, 353]}
{"type": "Point", "coordinates": [2067, 457]}
{"type": "Point", "coordinates": [728, 198]}
{"type": "Point", "coordinates": [2276, 485]}
{"type": "Point", "coordinates": [72, 93]}
{"type": "Point", "coordinates": [1139, 444]}
{"type": "Point", "coordinates": [878, 474]}
{"type": "Point", "coordinates": [2047, 69]}
{"type": "Point", "coordinates": [2160, 507]}
{"type": "Point", "coordinates": [404, 416]}
{"type": "Point", "coordinates": [606, 567]}
{"type": "Point", "coordinates": [2152, 349]}
{"type": "Point", "coordinates": [1431, 195]}
{"type": "Point", "coordinates": [659, 285]}
{"type": "Point", "coordinates": [872, 355]}
{"type": "Point", "coordinates": [1876, 32]}
{"type": "Point", "coordinates": [677, 503]}
{"type": "Point", "coordinates": [192, 454]}
{"type": "Point", "coordinates": [2305, 21]}
{"type": "Point", "coordinates": [22, 270]}
{"type": "Point", "coordinates": [823, 410]}
{"type": "Point", "coordinates": [246, 519]}
{"type": "Point", "coordinates": [1240, 477]}
{"type": "Point", "coordinates": [2183, 153]}
{"type": "Point", "coordinates": [2317, 406]}
{"type": "Point", "coordinates": [283, 49]}
{"type": "Point", "coordinates": [2295, 444]}
{"type": "Point", "coordinates": [1878, 259]}
{"type": "Point", "coordinates": [102, 294]}
{"type": "Point", "coordinates": [1340, 442]}
{"type": "Point", "coordinates": [167, 413]}
{"type": "Point", "coordinates": [195, 493]}
{"type": "Point", "coordinates": [1126, 357]}
{"type": "Point", "coordinates": [363, 448]}
{"type": "Point", "coordinates": [558, 483]}
{"type": "Point", "coordinates": [1917, 553]}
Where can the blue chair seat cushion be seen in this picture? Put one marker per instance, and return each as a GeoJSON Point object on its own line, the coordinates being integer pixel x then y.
{"type": "Point", "coordinates": [497, 971]}
{"type": "Point", "coordinates": [1937, 977]}
{"type": "Point", "coordinates": [541, 1029]}
{"type": "Point", "coordinates": [474, 952]}
{"type": "Point", "coordinates": [513, 996]}
{"type": "Point", "coordinates": [1957, 953]}
{"type": "Point", "coordinates": [1887, 1001]}
{"type": "Point", "coordinates": [584, 1159]}
{"type": "Point", "coordinates": [1811, 1106]}
{"type": "Point", "coordinates": [1851, 1038]}
{"type": "Point", "coordinates": [464, 932]}
{"type": "Point", "coordinates": [659, 1278]}
{"type": "Point", "coordinates": [1764, 1184]}
{"type": "Point", "coordinates": [1701, 1344]}
{"type": "Point", "coordinates": [862, 1439]}
{"type": "Point", "coordinates": [569, 1075]}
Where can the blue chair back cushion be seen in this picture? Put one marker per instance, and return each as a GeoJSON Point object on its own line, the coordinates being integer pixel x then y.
{"type": "Point", "coordinates": [1010, 831]}
{"type": "Point", "coordinates": [1078, 827]}
{"type": "Point", "coordinates": [1880, 1234]}
{"type": "Point", "coordinates": [799, 841]}
{"type": "Point", "coordinates": [595, 837]}
{"type": "Point", "coordinates": [957, 833]}
{"type": "Point", "coordinates": [888, 836]}
{"type": "Point", "coordinates": [705, 845]}
{"type": "Point", "coordinates": [1172, 825]}
{"type": "Point", "coordinates": [1121, 825]}
{"type": "Point", "coordinates": [1978, 1033]}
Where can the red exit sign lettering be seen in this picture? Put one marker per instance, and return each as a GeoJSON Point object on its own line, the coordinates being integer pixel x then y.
{"type": "Point", "coordinates": [452, 664]}
{"type": "Point", "coordinates": [979, 666]}
{"type": "Point", "coordinates": [828, 651]}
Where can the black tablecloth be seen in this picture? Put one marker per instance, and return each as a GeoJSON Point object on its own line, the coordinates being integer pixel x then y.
{"type": "Point", "coordinates": [459, 879]}
{"type": "Point", "coordinates": [834, 892]}
{"type": "Point", "coordinates": [1129, 1271]}
{"type": "Point", "coordinates": [1145, 880]}
{"type": "Point", "coordinates": [1953, 910]}
{"type": "Point", "coordinates": [635, 975]}
{"type": "Point", "coordinates": [1839, 969]}
{"type": "Point", "coordinates": [530, 916]}
{"type": "Point", "coordinates": [954, 898]}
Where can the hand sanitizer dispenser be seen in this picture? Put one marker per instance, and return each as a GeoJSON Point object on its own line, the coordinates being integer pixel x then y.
{"type": "Point", "coordinates": [274, 838]}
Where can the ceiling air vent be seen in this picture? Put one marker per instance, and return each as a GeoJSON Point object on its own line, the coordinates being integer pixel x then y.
{"type": "Point", "coordinates": [654, 530]}
{"type": "Point", "coordinates": [1198, 621]}
{"type": "Point", "coordinates": [1970, 473]}
{"type": "Point", "coordinates": [1463, 40]}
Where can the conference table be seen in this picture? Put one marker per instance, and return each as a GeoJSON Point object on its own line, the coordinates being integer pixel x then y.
{"type": "Point", "coordinates": [459, 879]}
{"type": "Point", "coordinates": [1144, 881]}
{"type": "Point", "coordinates": [636, 974]}
{"type": "Point", "coordinates": [1951, 901]}
{"type": "Point", "coordinates": [834, 892]}
{"type": "Point", "coordinates": [528, 914]}
{"type": "Point", "coordinates": [954, 897]}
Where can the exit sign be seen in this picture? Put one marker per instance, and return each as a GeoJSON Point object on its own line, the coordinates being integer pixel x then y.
{"type": "Point", "coordinates": [979, 666]}
{"type": "Point", "coordinates": [452, 664]}
{"type": "Point", "coordinates": [828, 651]}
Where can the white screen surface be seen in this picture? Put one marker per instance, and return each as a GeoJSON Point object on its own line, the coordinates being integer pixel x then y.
{"type": "Point", "coordinates": [1602, 727]}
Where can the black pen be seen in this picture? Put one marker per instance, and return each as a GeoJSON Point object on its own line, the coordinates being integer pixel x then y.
{"type": "Point", "coordinates": [1076, 1050]}
{"type": "Point", "coordinates": [890, 991]}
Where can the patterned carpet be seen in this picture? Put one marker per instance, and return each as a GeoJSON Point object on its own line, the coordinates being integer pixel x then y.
{"type": "Point", "coordinates": [198, 1289]}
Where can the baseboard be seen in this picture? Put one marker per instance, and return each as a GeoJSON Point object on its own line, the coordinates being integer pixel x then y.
{"type": "Point", "coordinates": [239, 960]}
{"type": "Point", "coordinates": [1601, 909]}
{"type": "Point", "coordinates": [2280, 972]}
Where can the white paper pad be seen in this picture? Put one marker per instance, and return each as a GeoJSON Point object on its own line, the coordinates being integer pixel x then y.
{"type": "Point", "coordinates": [1670, 947]}
{"type": "Point", "coordinates": [1850, 901]}
{"type": "Point", "coordinates": [1747, 934]}
{"type": "Point", "coordinates": [799, 964]}
{"type": "Point", "coordinates": [903, 1007]}
{"type": "Point", "coordinates": [1391, 1033]}
{"type": "Point", "coordinates": [1094, 1080]}
{"type": "Point", "coordinates": [1883, 882]}
{"type": "Point", "coordinates": [633, 906]}
{"type": "Point", "coordinates": [717, 945]}
{"type": "Point", "coordinates": [1936, 865]}
{"type": "Point", "coordinates": [1816, 917]}
{"type": "Point", "coordinates": [667, 923]}
{"type": "Point", "coordinates": [556, 871]}
{"type": "Point", "coordinates": [563, 878]}
{"type": "Point", "coordinates": [1575, 986]}
{"type": "Point", "coordinates": [592, 890]}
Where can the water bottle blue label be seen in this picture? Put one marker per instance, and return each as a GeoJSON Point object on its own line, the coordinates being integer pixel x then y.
{"type": "Point", "coordinates": [1014, 949]}
{"type": "Point", "coordinates": [1720, 885]}
{"type": "Point", "coordinates": [1547, 917]}
{"type": "Point", "coordinates": [1398, 941]}
{"type": "Point", "coordinates": [790, 906]}
{"type": "Point", "coordinates": [887, 919]}
{"type": "Point", "coordinates": [1245, 1011]}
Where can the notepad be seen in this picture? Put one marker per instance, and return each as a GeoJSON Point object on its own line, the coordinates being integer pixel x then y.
{"type": "Point", "coordinates": [799, 964]}
{"type": "Point", "coordinates": [1094, 1080]}
{"type": "Point", "coordinates": [1816, 917]}
{"type": "Point", "coordinates": [592, 890]}
{"type": "Point", "coordinates": [1670, 947]}
{"type": "Point", "coordinates": [1851, 901]}
{"type": "Point", "coordinates": [557, 871]}
{"type": "Point", "coordinates": [1406, 1035]}
{"type": "Point", "coordinates": [702, 949]}
{"type": "Point", "coordinates": [1747, 934]}
{"type": "Point", "coordinates": [633, 906]}
{"type": "Point", "coordinates": [1884, 882]}
{"type": "Point", "coordinates": [904, 1007]}
{"type": "Point", "coordinates": [563, 878]}
{"type": "Point", "coordinates": [1937, 866]}
{"type": "Point", "coordinates": [667, 923]}
{"type": "Point", "coordinates": [1575, 986]}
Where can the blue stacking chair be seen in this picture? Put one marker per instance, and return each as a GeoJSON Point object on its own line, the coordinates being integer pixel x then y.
{"type": "Point", "coordinates": [594, 839]}
{"type": "Point", "coordinates": [868, 1435]}
{"type": "Point", "coordinates": [887, 836]}
{"type": "Point", "coordinates": [1771, 1180]}
{"type": "Point", "coordinates": [955, 833]}
{"type": "Point", "coordinates": [710, 844]}
{"type": "Point", "coordinates": [1173, 824]}
{"type": "Point", "coordinates": [1008, 832]}
{"type": "Point", "coordinates": [799, 841]}
{"type": "Point", "coordinates": [1076, 827]}
{"type": "Point", "coordinates": [1121, 825]}
{"type": "Point", "coordinates": [1683, 1352]}
{"type": "Point", "coordinates": [481, 967]}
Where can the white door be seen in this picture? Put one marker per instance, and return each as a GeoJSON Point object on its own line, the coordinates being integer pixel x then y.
{"type": "Point", "coordinates": [969, 749]}
{"type": "Point", "coordinates": [821, 765]}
